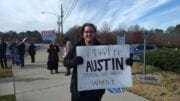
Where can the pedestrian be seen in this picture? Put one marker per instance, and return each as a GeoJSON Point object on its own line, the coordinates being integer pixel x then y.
{"type": "Point", "coordinates": [3, 59]}
{"type": "Point", "coordinates": [16, 53]}
{"type": "Point", "coordinates": [88, 33]}
{"type": "Point", "coordinates": [32, 52]}
{"type": "Point", "coordinates": [53, 57]}
{"type": "Point", "coordinates": [12, 51]}
{"type": "Point", "coordinates": [21, 52]}
{"type": "Point", "coordinates": [67, 48]}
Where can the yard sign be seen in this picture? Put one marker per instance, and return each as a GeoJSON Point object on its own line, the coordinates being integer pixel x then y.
{"type": "Point", "coordinates": [103, 67]}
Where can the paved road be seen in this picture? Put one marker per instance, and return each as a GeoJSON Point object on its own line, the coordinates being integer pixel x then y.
{"type": "Point", "coordinates": [35, 83]}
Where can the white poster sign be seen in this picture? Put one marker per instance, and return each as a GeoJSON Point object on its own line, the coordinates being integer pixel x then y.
{"type": "Point", "coordinates": [103, 67]}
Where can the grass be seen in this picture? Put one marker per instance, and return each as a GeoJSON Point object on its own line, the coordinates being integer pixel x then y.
{"type": "Point", "coordinates": [7, 72]}
{"type": "Point", "coordinates": [168, 90]}
{"type": "Point", "coordinates": [8, 98]}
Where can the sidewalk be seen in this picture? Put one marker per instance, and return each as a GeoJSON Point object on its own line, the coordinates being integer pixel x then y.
{"type": "Point", "coordinates": [35, 83]}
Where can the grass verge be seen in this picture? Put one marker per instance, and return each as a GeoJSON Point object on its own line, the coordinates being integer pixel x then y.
{"type": "Point", "coordinates": [168, 90]}
{"type": "Point", "coordinates": [7, 72]}
{"type": "Point", "coordinates": [8, 98]}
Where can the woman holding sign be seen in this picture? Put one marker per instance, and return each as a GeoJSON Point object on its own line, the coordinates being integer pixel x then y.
{"type": "Point", "coordinates": [88, 32]}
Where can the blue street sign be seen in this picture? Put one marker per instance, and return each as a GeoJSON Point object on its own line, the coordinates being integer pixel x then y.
{"type": "Point", "coordinates": [145, 34]}
{"type": "Point", "coordinates": [121, 40]}
{"type": "Point", "coordinates": [115, 90]}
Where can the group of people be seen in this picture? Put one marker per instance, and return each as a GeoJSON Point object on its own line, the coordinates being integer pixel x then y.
{"type": "Point", "coordinates": [70, 61]}
{"type": "Point", "coordinates": [17, 49]}
{"type": "Point", "coordinates": [17, 52]}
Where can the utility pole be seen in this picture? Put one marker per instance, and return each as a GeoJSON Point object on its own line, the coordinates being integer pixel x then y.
{"type": "Point", "coordinates": [58, 20]}
{"type": "Point", "coordinates": [59, 23]}
{"type": "Point", "coordinates": [62, 19]}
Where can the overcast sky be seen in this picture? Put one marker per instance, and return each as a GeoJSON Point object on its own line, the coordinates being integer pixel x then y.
{"type": "Point", "coordinates": [24, 15]}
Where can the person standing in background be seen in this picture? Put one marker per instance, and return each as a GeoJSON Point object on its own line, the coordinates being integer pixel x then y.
{"type": "Point", "coordinates": [67, 48]}
{"type": "Point", "coordinates": [53, 57]}
{"type": "Point", "coordinates": [16, 54]}
{"type": "Point", "coordinates": [21, 52]}
{"type": "Point", "coordinates": [12, 50]}
{"type": "Point", "coordinates": [32, 52]}
{"type": "Point", "coordinates": [3, 59]}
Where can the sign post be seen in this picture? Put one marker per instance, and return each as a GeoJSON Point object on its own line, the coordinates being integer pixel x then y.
{"type": "Point", "coordinates": [145, 36]}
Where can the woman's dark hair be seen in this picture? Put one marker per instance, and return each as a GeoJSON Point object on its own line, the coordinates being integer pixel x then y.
{"type": "Point", "coordinates": [87, 24]}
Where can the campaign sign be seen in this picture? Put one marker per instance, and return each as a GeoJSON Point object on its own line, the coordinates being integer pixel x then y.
{"type": "Point", "coordinates": [103, 67]}
{"type": "Point", "coordinates": [48, 35]}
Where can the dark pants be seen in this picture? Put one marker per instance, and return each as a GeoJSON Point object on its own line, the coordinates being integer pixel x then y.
{"type": "Point", "coordinates": [21, 57]}
{"type": "Point", "coordinates": [87, 97]}
{"type": "Point", "coordinates": [32, 58]}
{"type": "Point", "coordinates": [3, 61]}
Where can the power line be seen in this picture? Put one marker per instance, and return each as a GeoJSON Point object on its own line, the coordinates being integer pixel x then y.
{"type": "Point", "coordinates": [66, 5]}
{"type": "Point", "coordinates": [71, 9]}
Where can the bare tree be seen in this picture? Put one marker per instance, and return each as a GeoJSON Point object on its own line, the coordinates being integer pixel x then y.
{"type": "Point", "coordinates": [106, 28]}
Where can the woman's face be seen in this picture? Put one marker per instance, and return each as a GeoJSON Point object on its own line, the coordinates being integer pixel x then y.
{"type": "Point", "coordinates": [88, 34]}
{"type": "Point", "coordinates": [53, 42]}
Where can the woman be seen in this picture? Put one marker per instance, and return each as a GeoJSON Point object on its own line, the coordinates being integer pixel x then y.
{"type": "Point", "coordinates": [65, 51]}
{"type": "Point", "coordinates": [88, 33]}
{"type": "Point", "coordinates": [53, 57]}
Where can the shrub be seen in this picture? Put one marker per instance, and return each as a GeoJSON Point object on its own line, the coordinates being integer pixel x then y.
{"type": "Point", "coordinates": [166, 59]}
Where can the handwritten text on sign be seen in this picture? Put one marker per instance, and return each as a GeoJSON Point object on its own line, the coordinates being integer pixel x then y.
{"type": "Point", "coordinates": [103, 67]}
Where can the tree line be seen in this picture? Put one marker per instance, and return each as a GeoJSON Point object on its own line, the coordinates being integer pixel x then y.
{"type": "Point", "coordinates": [33, 36]}
{"type": "Point", "coordinates": [133, 34]}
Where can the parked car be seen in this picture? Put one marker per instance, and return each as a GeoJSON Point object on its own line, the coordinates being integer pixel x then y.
{"type": "Point", "coordinates": [138, 50]}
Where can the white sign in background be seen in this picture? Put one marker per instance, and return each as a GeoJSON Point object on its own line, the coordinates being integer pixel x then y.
{"type": "Point", "coordinates": [103, 67]}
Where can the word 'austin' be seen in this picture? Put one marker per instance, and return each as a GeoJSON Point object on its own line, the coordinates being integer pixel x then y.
{"type": "Point", "coordinates": [97, 65]}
